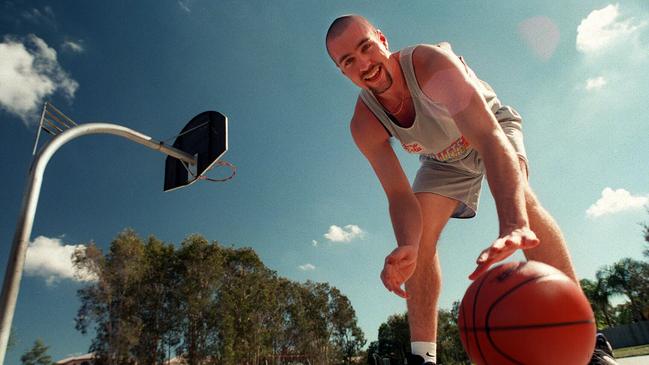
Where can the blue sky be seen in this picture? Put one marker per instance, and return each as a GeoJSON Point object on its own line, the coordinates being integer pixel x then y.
{"type": "Point", "coordinates": [304, 198]}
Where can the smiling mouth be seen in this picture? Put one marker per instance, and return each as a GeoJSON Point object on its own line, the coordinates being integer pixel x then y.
{"type": "Point", "coordinates": [372, 74]}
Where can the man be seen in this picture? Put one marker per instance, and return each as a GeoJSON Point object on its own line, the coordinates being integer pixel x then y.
{"type": "Point", "coordinates": [432, 102]}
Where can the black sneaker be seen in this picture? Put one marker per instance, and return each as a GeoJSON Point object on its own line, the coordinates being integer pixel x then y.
{"type": "Point", "coordinates": [417, 360]}
{"type": "Point", "coordinates": [602, 343]}
{"type": "Point", "coordinates": [603, 354]}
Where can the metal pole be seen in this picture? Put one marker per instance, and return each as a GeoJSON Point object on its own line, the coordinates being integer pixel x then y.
{"type": "Point", "coordinates": [40, 128]}
{"type": "Point", "coordinates": [16, 261]}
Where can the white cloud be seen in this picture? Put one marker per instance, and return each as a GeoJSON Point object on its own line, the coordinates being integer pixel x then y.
{"type": "Point", "coordinates": [51, 259]}
{"type": "Point", "coordinates": [346, 234]}
{"type": "Point", "coordinates": [595, 83]}
{"type": "Point", "coordinates": [73, 46]}
{"type": "Point", "coordinates": [314, 243]}
{"type": "Point", "coordinates": [603, 28]}
{"type": "Point", "coordinates": [541, 35]}
{"type": "Point", "coordinates": [615, 201]}
{"type": "Point", "coordinates": [306, 267]}
{"type": "Point", "coordinates": [29, 72]}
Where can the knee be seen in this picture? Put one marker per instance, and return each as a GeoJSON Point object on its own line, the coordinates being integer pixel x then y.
{"type": "Point", "coordinates": [428, 245]}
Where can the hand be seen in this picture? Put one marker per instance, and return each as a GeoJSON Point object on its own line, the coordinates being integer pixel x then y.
{"type": "Point", "coordinates": [398, 268]}
{"type": "Point", "coordinates": [504, 247]}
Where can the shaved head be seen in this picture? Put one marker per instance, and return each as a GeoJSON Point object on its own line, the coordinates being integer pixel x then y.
{"type": "Point", "coordinates": [361, 53]}
{"type": "Point", "coordinates": [340, 24]}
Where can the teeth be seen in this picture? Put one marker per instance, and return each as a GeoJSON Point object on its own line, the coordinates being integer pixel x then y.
{"type": "Point", "coordinates": [372, 73]}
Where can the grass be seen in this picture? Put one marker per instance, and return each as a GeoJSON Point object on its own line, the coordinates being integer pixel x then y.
{"type": "Point", "coordinates": [631, 351]}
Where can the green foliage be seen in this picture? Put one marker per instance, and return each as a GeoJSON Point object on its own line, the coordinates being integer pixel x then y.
{"type": "Point", "coordinates": [599, 293]}
{"type": "Point", "coordinates": [209, 304]}
{"type": "Point", "coordinates": [199, 271]}
{"type": "Point", "coordinates": [394, 339]}
{"type": "Point", "coordinates": [630, 278]}
{"type": "Point", "coordinates": [627, 278]}
{"type": "Point", "coordinates": [449, 345]}
{"type": "Point", "coordinates": [37, 355]}
{"type": "Point", "coordinates": [645, 232]}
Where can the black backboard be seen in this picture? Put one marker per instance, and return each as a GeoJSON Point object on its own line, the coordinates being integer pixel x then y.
{"type": "Point", "coordinates": [206, 137]}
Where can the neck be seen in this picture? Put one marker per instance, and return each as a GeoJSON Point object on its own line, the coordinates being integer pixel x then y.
{"type": "Point", "coordinates": [394, 98]}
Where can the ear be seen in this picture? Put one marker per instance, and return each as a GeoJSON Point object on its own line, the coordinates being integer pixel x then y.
{"type": "Point", "coordinates": [382, 38]}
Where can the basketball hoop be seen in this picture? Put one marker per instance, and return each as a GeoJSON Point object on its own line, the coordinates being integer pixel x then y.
{"type": "Point", "coordinates": [232, 167]}
{"type": "Point", "coordinates": [206, 138]}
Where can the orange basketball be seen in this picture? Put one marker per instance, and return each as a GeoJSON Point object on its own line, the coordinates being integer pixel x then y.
{"type": "Point", "coordinates": [526, 313]}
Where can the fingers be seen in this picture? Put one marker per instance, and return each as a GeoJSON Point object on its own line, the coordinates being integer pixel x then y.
{"type": "Point", "coordinates": [392, 281]}
{"type": "Point", "coordinates": [398, 268]}
{"type": "Point", "coordinates": [479, 271]}
{"type": "Point", "coordinates": [490, 256]}
{"type": "Point", "coordinates": [503, 248]}
{"type": "Point", "coordinates": [400, 292]}
{"type": "Point", "coordinates": [522, 239]}
{"type": "Point", "coordinates": [529, 240]}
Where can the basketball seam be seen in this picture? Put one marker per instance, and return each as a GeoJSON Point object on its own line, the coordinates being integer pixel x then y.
{"type": "Point", "coordinates": [475, 305]}
{"type": "Point", "coordinates": [493, 305]}
{"type": "Point", "coordinates": [531, 326]}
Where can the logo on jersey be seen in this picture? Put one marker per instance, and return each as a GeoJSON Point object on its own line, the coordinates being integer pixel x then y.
{"type": "Point", "coordinates": [455, 150]}
{"type": "Point", "coordinates": [412, 147]}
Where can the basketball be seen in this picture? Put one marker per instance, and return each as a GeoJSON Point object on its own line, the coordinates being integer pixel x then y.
{"type": "Point", "coordinates": [526, 313]}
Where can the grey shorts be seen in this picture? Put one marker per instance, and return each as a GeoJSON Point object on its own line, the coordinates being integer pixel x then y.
{"type": "Point", "coordinates": [462, 179]}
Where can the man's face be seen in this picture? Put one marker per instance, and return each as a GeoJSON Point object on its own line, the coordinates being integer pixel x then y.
{"type": "Point", "coordinates": [361, 53]}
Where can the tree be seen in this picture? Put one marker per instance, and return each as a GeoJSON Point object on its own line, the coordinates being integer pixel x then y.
{"type": "Point", "coordinates": [297, 328]}
{"type": "Point", "coordinates": [598, 293]}
{"type": "Point", "coordinates": [199, 269]}
{"type": "Point", "coordinates": [449, 345]}
{"type": "Point", "coordinates": [111, 303]}
{"type": "Point", "coordinates": [247, 311]}
{"type": "Point", "coordinates": [394, 338]}
{"type": "Point", "coordinates": [624, 313]}
{"type": "Point", "coordinates": [372, 352]}
{"type": "Point", "coordinates": [630, 278]}
{"type": "Point", "coordinates": [210, 305]}
{"type": "Point", "coordinates": [646, 239]}
{"type": "Point", "coordinates": [315, 324]}
{"type": "Point", "coordinates": [347, 336]}
{"type": "Point", "coordinates": [37, 355]}
{"type": "Point", "coordinates": [159, 330]}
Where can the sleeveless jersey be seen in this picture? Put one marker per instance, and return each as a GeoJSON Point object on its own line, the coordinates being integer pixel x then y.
{"type": "Point", "coordinates": [433, 133]}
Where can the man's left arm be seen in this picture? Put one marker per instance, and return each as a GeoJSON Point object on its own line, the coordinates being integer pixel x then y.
{"type": "Point", "coordinates": [444, 79]}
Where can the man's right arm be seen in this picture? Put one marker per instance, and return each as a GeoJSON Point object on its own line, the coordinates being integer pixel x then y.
{"type": "Point", "coordinates": [374, 142]}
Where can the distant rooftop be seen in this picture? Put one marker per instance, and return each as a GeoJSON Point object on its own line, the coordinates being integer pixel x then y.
{"type": "Point", "coordinates": [76, 359]}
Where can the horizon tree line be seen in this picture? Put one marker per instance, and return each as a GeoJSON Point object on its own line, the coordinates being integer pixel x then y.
{"type": "Point", "coordinates": [215, 305]}
{"type": "Point", "coordinates": [208, 304]}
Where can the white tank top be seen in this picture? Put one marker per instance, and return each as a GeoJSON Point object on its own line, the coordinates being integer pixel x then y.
{"type": "Point", "coordinates": [433, 133]}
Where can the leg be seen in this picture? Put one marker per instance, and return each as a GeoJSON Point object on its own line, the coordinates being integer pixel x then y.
{"type": "Point", "coordinates": [424, 285]}
{"type": "Point", "coordinates": [553, 249]}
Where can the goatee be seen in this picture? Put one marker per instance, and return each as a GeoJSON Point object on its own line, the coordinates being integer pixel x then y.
{"type": "Point", "coordinates": [384, 88]}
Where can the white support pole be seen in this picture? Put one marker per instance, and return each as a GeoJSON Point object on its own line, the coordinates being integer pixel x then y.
{"type": "Point", "coordinates": [40, 128]}
{"type": "Point", "coordinates": [13, 274]}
